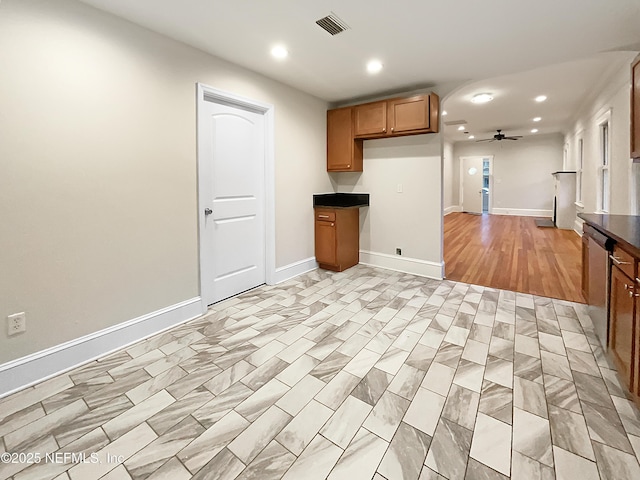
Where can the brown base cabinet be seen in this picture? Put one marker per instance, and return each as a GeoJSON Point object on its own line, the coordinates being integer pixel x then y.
{"type": "Point", "coordinates": [585, 267]}
{"type": "Point", "coordinates": [621, 328]}
{"type": "Point", "coordinates": [624, 318]}
{"type": "Point", "coordinates": [635, 109]}
{"type": "Point", "coordinates": [337, 238]}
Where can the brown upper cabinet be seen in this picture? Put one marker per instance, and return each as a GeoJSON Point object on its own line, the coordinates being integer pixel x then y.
{"type": "Point", "coordinates": [344, 152]}
{"type": "Point", "coordinates": [418, 114]}
{"type": "Point", "coordinates": [370, 119]}
{"type": "Point", "coordinates": [635, 110]}
{"type": "Point", "coordinates": [397, 116]}
{"type": "Point", "coordinates": [347, 127]}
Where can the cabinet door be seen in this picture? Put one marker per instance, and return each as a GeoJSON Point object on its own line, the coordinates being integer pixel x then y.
{"type": "Point", "coordinates": [370, 119]}
{"type": "Point", "coordinates": [636, 349]}
{"type": "Point", "coordinates": [409, 114]}
{"type": "Point", "coordinates": [326, 242]}
{"type": "Point", "coordinates": [585, 267]}
{"type": "Point", "coordinates": [621, 324]}
{"type": "Point", "coordinates": [344, 154]}
{"type": "Point", "coordinates": [635, 110]}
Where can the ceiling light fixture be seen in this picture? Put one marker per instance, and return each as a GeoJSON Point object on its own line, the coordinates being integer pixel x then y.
{"type": "Point", "coordinates": [534, 130]}
{"type": "Point", "coordinates": [537, 119]}
{"type": "Point", "coordinates": [471, 137]}
{"type": "Point", "coordinates": [461, 128]}
{"type": "Point", "coordinates": [279, 52]}
{"type": "Point", "coordinates": [374, 66]}
{"type": "Point", "coordinates": [541, 98]}
{"type": "Point", "coordinates": [482, 98]}
{"type": "Point", "coordinates": [444, 113]}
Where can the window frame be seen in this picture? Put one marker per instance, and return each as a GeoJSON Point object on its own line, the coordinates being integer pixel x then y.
{"type": "Point", "coordinates": [579, 169]}
{"type": "Point", "coordinates": [603, 197]}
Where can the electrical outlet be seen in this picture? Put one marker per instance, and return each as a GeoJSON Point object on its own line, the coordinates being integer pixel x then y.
{"type": "Point", "coordinates": [399, 188]}
{"type": "Point", "coordinates": [398, 251]}
{"type": "Point", "coordinates": [16, 323]}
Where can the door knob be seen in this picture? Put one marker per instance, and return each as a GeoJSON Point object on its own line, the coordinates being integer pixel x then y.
{"type": "Point", "coordinates": [208, 211]}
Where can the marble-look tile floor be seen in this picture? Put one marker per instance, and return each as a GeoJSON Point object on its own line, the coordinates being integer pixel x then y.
{"type": "Point", "coordinates": [364, 374]}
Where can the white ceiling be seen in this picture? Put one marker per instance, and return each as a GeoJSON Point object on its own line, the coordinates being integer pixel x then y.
{"type": "Point", "coordinates": [421, 44]}
{"type": "Point", "coordinates": [566, 85]}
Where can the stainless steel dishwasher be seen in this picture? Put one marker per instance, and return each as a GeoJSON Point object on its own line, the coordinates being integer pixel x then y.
{"type": "Point", "coordinates": [600, 248]}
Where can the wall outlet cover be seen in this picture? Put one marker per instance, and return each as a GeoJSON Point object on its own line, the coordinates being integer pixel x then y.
{"type": "Point", "coordinates": [398, 251]}
{"type": "Point", "coordinates": [16, 323]}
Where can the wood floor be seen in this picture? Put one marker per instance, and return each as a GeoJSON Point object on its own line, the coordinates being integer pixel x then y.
{"type": "Point", "coordinates": [511, 253]}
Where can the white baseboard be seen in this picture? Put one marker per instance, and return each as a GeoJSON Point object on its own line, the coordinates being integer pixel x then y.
{"type": "Point", "coordinates": [577, 226]}
{"type": "Point", "coordinates": [294, 269]}
{"type": "Point", "coordinates": [522, 212]}
{"type": "Point", "coordinates": [452, 208]}
{"type": "Point", "coordinates": [39, 366]}
{"type": "Point", "coordinates": [415, 266]}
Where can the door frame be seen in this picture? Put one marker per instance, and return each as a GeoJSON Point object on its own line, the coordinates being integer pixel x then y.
{"type": "Point", "coordinates": [461, 186]}
{"type": "Point", "coordinates": [206, 93]}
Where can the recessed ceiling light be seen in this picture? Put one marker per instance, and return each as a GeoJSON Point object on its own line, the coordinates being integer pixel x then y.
{"type": "Point", "coordinates": [482, 98]}
{"type": "Point", "coordinates": [471, 137]}
{"type": "Point", "coordinates": [444, 113]}
{"type": "Point", "coordinates": [461, 128]}
{"type": "Point", "coordinates": [279, 52]}
{"type": "Point", "coordinates": [541, 98]}
{"type": "Point", "coordinates": [537, 119]}
{"type": "Point", "coordinates": [534, 130]}
{"type": "Point", "coordinates": [374, 66]}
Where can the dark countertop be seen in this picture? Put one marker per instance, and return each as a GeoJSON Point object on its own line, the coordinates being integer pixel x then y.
{"type": "Point", "coordinates": [341, 200]}
{"type": "Point", "coordinates": [624, 229]}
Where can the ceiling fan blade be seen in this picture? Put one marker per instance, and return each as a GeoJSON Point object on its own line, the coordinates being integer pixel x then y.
{"type": "Point", "coordinates": [486, 140]}
{"type": "Point", "coordinates": [510, 138]}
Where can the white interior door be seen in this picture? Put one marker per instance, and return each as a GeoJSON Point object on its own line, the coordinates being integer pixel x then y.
{"type": "Point", "coordinates": [472, 184]}
{"type": "Point", "coordinates": [233, 253]}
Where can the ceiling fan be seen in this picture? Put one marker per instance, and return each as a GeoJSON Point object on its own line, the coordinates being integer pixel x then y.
{"type": "Point", "coordinates": [500, 136]}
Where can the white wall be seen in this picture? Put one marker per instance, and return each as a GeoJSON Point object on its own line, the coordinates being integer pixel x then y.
{"type": "Point", "coordinates": [450, 179]}
{"type": "Point", "coordinates": [411, 220]}
{"type": "Point", "coordinates": [98, 161]}
{"type": "Point", "coordinates": [612, 96]}
{"type": "Point", "coordinates": [522, 181]}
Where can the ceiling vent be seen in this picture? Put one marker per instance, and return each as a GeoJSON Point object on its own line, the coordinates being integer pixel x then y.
{"type": "Point", "coordinates": [332, 24]}
{"type": "Point", "coordinates": [455, 122]}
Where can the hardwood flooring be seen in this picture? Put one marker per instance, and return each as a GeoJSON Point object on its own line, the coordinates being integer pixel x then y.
{"type": "Point", "coordinates": [511, 253]}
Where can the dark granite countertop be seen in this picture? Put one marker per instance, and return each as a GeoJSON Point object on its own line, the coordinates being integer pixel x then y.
{"type": "Point", "coordinates": [624, 229]}
{"type": "Point", "coordinates": [341, 200]}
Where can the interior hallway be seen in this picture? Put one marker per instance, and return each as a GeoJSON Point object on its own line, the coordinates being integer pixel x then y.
{"type": "Point", "coordinates": [511, 253]}
{"type": "Point", "coordinates": [365, 374]}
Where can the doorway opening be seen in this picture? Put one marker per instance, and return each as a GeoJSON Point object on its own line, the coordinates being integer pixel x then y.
{"type": "Point", "coordinates": [485, 185]}
{"type": "Point", "coordinates": [476, 184]}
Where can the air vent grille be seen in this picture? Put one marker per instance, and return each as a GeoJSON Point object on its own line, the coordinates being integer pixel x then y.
{"type": "Point", "coordinates": [332, 24]}
{"type": "Point", "coordinates": [455, 122]}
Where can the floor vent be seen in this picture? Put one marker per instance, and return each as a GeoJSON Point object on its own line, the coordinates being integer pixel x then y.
{"type": "Point", "coordinates": [332, 24]}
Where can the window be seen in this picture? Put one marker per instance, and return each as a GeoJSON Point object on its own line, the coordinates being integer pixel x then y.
{"type": "Point", "coordinates": [604, 174]}
{"type": "Point", "coordinates": [579, 171]}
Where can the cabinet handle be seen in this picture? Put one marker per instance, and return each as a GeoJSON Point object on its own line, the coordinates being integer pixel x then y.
{"type": "Point", "coordinates": [348, 166]}
{"type": "Point", "coordinates": [627, 286]}
{"type": "Point", "coordinates": [631, 294]}
{"type": "Point", "coordinates": [392, 129]}
{"type": "Point", "coordinates": [617, 261]}
{"type": "Point", "coordinates": [327, 216]}
{"type": "Point", "coordinates": [332, 224]}
{"type": "Point", "coordinates": [384, 130]}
